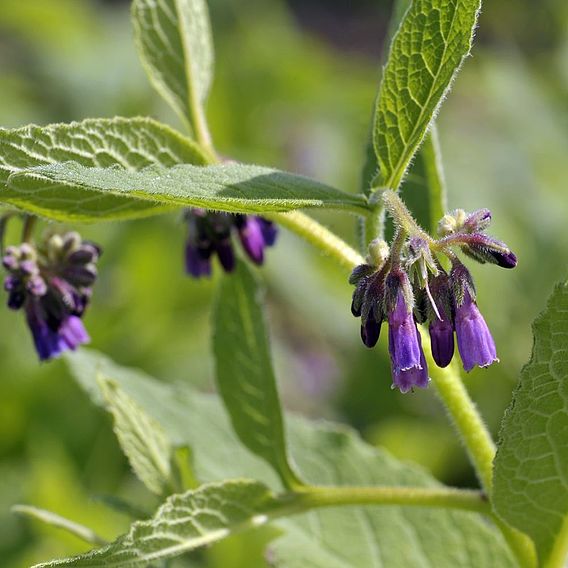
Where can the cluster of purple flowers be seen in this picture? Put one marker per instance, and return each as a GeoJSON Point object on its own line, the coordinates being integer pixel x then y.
{"type": "Point", "coordinates": [210, 233]}
{"type": "Point", "coordinates": [53, 286]}
{"type": "Point", "coordinates": [407, 286]}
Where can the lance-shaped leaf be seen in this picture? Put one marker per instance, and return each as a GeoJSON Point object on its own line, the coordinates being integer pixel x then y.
{"type": "Point", "coordinates": [72, 191]}
{"type": "Point", "coordinates": [365, 537]}
{"type": "Point", "coordinates": [141, 438]}
{"type": "Point", "coordinates": [129, 143]}
{"type": "Point", "coordinates": [531, 467]}
{"type": "Point", "coordinates": [244, 371]}
{"type": "Point", "coordinates": [183, 523]}
{"type": "Point", "coordinates": [175, 45]}
{"type": "Point", "coordinates": [426, 53]}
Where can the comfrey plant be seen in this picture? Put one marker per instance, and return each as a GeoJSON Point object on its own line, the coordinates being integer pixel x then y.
{"type": "Point", "coordinates": [406, 284]}
{"type": "Point", "coordinates": [125, 168]}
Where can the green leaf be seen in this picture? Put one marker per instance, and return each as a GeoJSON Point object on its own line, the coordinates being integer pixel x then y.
{"type": "Point", "coordinates": [244, 371]}
{"type": "Point", "coordinates": [531, 467]}
{"type": "Point", "coordinates": [55, 520]}
{"type": "Point", "coordinates": [424, 190]}
{"type": "Point", "coordinates": [141, 438]}
{"type": "Point", "coordinates": [325, 454]}
{"type": "Point", "coordinates": [426, 53]}
{"type": "Point", "coordinates": [70, 191]}
{"type": "Point", "coordinates": [128, 143]}
{"type": "Point", "coordinates": [183, 523]}
{"type": "Point", "coordinates": [175, 45]}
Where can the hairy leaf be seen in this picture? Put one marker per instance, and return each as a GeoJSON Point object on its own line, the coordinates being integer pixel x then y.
{"type": "Point", "coordinates": [325, 453]}
{"type": "Point", "coordinates": [244, 371]}
{"type": "Point", "coordinates": [183, 523]}
{"type": "Point", "coordinates": [141, 438]}
{"type": "Point", "coordinates": [175, 45]}
{"type": "Point", "coordinates": [129, 143]}
{"type": "Point", "coordinates": [426, 53]}
{"type": "Point", "coordinates": [71, 191]}
{"type": "Point", "coordinates": [531, 467]}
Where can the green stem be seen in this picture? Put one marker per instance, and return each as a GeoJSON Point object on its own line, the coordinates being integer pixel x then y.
{"type": "Point", "coordinates": [317, 235]}
{"type": "Point", "coordinates": [477, 441]}
{"type": "Point", "coordinates": [29, 224]}
{"type": "Point", "coordinates": [402, 216]}
{"type": "Point", "coordinates": [375, 224]}
{"type": "Point", "coordinates": [446, 498]}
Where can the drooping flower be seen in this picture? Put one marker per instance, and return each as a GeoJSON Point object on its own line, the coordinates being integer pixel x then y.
{"type": "Point", "coordinates": [408, 364]}
{"type": "Point", "coordinates": [210, 233]}
{"type": "Point", "coordinates": [53, 285]}
{"type": "Point", "coordinates": [475, 343]}
{"type": "Point", "coordinates": [441, 326]}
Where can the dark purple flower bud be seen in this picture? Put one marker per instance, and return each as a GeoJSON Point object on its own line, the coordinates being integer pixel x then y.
{"type": "Point", "coordinates": [475, 343]}
{"type": "Point", "coordinates": [404, 343]}
{"type": "Point", "coordinates": [504, 260]}
{"type": "Point", "coordinates": [80, 275]}
{"type": "Point", "coordinates": [442, 341]}
{"type": "Point", "coordinates": [226, 254]}
{"type": "Point", "coordinates": [370, 331]}
{"type": "Point", "coordinates": [197, 261]}
{"type": "Point", "coordinates": [269, 230]}
{"type": "Point", "coordinates": [441, 318]}
{"type": "Point", "coordinates": [405, 379]}
{"type": "Point", "coordinates": [85, 254]}
{"type": "Point", "coordinates": [250, 234]}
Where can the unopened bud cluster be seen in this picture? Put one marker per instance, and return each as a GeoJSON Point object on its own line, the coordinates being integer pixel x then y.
{"type": "Point", "coordinates": [406, 285]}
{"type": "Point", "coordinates": [211, 233]}
{"type": "Point", "coordinates": [52, 284]}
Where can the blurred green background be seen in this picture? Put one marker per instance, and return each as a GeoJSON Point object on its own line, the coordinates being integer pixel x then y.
{"type": "Point", "coordinates": [295, 83]}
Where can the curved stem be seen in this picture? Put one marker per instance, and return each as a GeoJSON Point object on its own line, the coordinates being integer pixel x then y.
{"type": "Point", "coordinates": [447, 498]}
{"type": "Point", "coordinates": [29, 224]}
{"type": "Point", "coordinates": [477, 441]}
{"type": "Point", "coordinates": [317, 235]}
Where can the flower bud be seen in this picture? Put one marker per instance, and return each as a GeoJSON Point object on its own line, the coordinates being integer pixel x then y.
{"type": "Point", "coordinates": [378, 253]}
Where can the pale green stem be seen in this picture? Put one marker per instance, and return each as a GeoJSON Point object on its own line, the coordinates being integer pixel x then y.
{"type": "Point", "coordinates": [317, 235]}
{"type": "Point", "coordinates": [446, 498]}
{"type": "Point", "coordinates": [80, 531]}
{"type": "Point", "coordinates": [477, 441]}
{"type": "Point", "coordinates": [375, 224]}
{"type": "Point", "coordinates": [29, 224]}
{"type": "Point", "coordinates": [559, 553]}
{"type": "Point", "coordinates": [401, 215]}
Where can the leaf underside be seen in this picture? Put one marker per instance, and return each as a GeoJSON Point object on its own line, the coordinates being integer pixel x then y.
{"type": "Point", "coordinates": [69, 190]}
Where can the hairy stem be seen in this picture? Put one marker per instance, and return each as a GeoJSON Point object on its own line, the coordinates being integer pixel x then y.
{"type": "Point", "coordinates": [401, 215]}
{"type": "Point", "coordinates": [446, 498]}
{"type": "Point", "coordinates": [477, 441]}
{"type": "Point", "coordinates": [317, 235]}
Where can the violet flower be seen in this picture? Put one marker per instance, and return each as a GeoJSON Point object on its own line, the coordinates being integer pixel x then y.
{"type": "Point", "coordinates": [475, 343]}
{"type": "Point", "coordinates": [210, 234]}
{"type": "Point", "coordinates": [405, 347]}
{"type": "Point", "coordinates": [53, 286]}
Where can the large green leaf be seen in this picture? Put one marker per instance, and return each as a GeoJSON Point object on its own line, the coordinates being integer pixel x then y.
{"type": "Point", "coordinates": [175, 45]}
{"type": "Point", "coordinates": [244, 371]}
{"type": "Point", "coordinates": [141, 438]}
{"type": "Point", "coordinates": [426, 53]}
{"type": "Point", "coordinates": [183, 523]}
{"type": "Point", "coordinates": [531, 467]}
{"type": "Point", "coordinates": [343, 537]}
{"type": "Point", "coordinates": [72, 191]}
{"type": "Point", "coordinates": [129, 143]}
